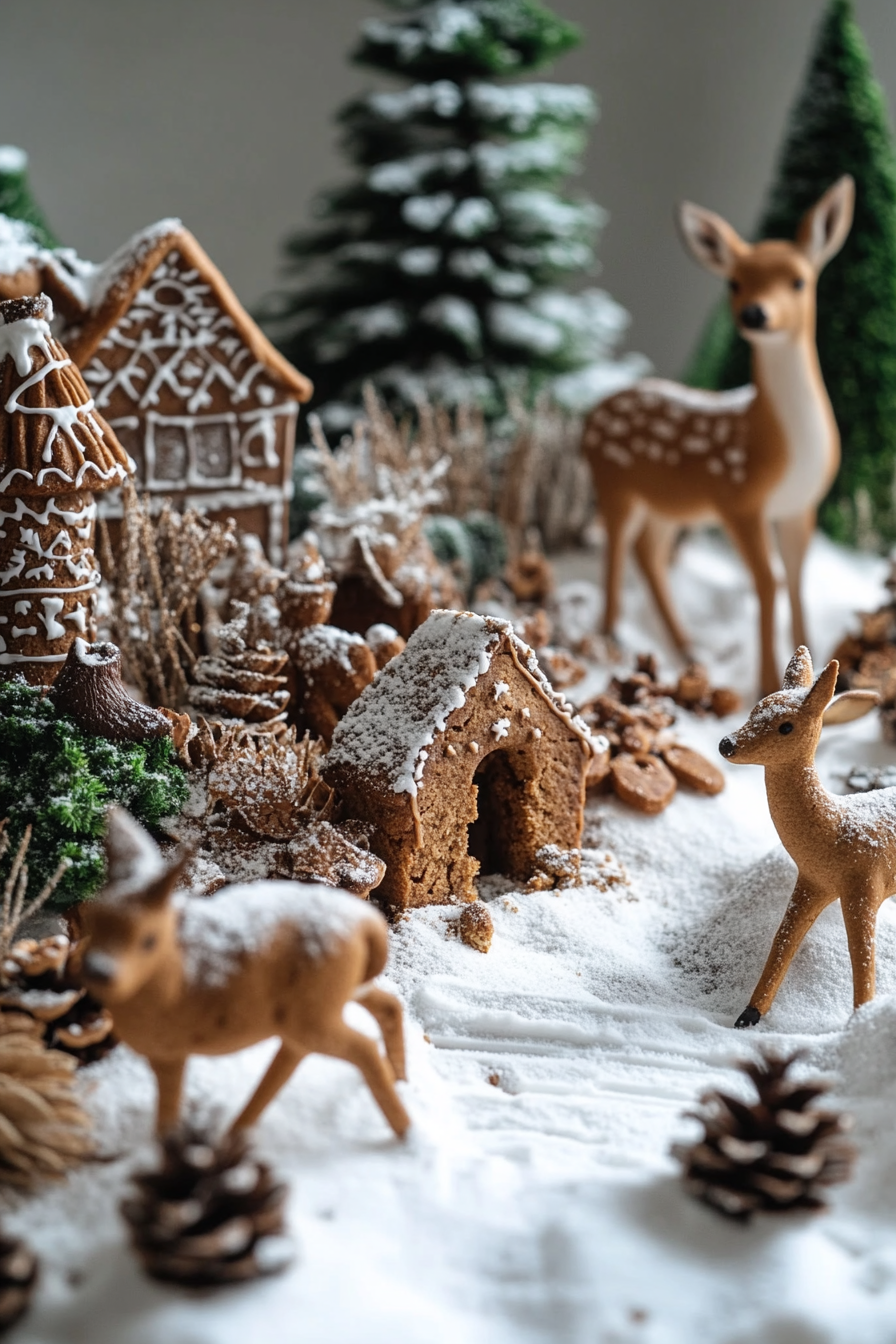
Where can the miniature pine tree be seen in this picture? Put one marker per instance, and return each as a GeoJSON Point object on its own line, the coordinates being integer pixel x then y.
{"type": "Point", "coordinates": [439, 270]}
{"type": "Point", "coordinates": [838, 125]}
{"type": "Point", "coordinates": [16, 200]}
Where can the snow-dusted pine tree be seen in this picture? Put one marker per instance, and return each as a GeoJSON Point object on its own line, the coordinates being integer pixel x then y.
{"type": "Point", "coordinates": [16, 200]}
{"type": "Point", "coordinates": [440, 269]}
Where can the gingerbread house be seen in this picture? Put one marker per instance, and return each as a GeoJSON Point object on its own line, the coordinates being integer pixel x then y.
{"type": "Point", "coordinates": [195, 392]}
{"type": "Point", "coordinates": [55, 453]}
{"type": "Point", "coordinates": [462, 759]}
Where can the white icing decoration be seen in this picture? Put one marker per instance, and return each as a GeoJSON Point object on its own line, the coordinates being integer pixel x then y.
{"type": "Point", "coordinates": [52, 606]}
{"type": "Point", "coordinates": [501, 688]}
{"type": "Point", "coordinates": [500, 728]}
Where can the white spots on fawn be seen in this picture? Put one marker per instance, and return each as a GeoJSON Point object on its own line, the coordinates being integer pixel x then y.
{"type": "Point", "coordinates": [695, 443]}
{"type": "Point", "coordinates": [722, 429]}
{"type": "Point", "coordinates": [616, 453]}
{"type": "Point", "coordinates": [715, 466]}
{"type": "Point", "coordinates": [664, 429]}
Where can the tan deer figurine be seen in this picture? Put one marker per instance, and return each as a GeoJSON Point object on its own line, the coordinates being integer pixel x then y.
{"type": "Point", "coordinates": [207, 976]}
{"type": "Point", "coordinates": [844, 847]}
{"type": "Point", "coordinates": [663, 455]}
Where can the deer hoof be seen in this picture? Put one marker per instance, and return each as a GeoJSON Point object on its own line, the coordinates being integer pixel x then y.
{"type": "Point", "coordinates": [749, 1017]}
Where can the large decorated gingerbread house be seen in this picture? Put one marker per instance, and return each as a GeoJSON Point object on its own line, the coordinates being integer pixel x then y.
{"type": "Point", "coordinates": [195, 392]}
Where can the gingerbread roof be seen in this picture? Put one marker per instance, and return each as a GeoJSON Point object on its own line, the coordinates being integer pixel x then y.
{"type": "Point", "coordinates": [385, 733]}
{"type": "Point", "coordinates": [116, 285]}
{"type": "Point", "coordinates": [27, 268]}
{"type": "Point", "coordinates": [52, 441]}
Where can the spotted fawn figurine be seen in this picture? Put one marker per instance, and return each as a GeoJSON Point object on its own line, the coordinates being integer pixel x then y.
{"type": "Point", "coordinates": [663, 455]}
{"type": "Point", "coordinates": [207, 976]}
{"type": "Point", "coordinates": [844, 847]}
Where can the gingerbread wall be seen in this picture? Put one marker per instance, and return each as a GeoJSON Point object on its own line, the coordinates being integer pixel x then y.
{"type": "Point", "coordinates": [201, 417]}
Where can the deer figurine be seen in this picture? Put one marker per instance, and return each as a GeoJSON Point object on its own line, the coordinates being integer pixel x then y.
{"type": "Point", "coordinates": [843, 847]}
{"type": "Point", "coordinates": [663, 455]}
{"type": "Point", "coordinates": [188, 975]}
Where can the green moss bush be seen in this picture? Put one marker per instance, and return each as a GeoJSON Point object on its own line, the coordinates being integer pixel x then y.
{"type": "Point", "coordinates": [61, 780]}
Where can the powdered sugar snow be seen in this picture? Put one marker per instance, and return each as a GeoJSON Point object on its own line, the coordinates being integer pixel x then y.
{"type": "Point", "coordinates": [534, 1201]}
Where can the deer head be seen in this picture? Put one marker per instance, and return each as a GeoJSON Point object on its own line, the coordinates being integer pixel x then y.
{"type": "Point", "coordinates": [771, 283]}
{"type": "Point", "coordinates": [130, 930]}
{"type": "Point", "coordinates": [784, 728]}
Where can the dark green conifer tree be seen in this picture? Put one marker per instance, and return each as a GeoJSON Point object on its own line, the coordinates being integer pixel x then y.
{"type": "Point", "coordinates": [440, 268]}
{"type": "Point", "coordinates": [838, 125]}
{"type": "Point", "coordinates": [16, 200]}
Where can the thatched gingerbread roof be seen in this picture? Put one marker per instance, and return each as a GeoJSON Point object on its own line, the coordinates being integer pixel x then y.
{"type": "Point", "coordinates": [52, 441]}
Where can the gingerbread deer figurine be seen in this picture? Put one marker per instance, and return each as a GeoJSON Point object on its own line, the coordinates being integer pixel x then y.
{"type": "Point", "coordinates": [663, 455]}
{"type": "Point", "coordinates": [844, 847]}
{"type": "Point", "coordinates": [185, 976]}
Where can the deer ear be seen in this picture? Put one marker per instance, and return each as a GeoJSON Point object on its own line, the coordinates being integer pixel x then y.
{"type": "Point", "coordinates": [850, 705]}
{"type": "Point", "coordinates": [823, 229]}
{"type": "Point", "coordinates": [709, 239]}
{"type": "Point", "coordinates": [157, 891]}
{"type": "Point", "coordinates": [799, 671]}
{"type": "Point", "coordinates": [819, 695]}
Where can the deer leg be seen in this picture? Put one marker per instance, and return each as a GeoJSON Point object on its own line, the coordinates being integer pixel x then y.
{"type": "Point", "coordinates": [618, 518]}
{"type": "Point", "coordinates": [279, 1072]}
{"type": "Point", "coordinates": [386, 1011]}
{"type": "Point", "coordinates": [860, 918]}
{"type": "Point", "coordinates": [170, 1078]}
{"type": "Point", "coordinates": [794, 535]}
{"type": "Point", "coordinates": [653, 549]}
{"type": "Point", "coordinates": [751, 537]}
{"type": "Point", "coordinates": [802, 911]}
{"type": "Point", "coordinates": [348, 1044]}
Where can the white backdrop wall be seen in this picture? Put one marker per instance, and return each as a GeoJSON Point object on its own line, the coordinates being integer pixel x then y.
{"type": "Point", "coordinates": [220, 111]}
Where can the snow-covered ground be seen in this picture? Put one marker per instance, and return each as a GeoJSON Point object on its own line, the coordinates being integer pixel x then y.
{"type": "Point", "coordinates": [535, 1199]}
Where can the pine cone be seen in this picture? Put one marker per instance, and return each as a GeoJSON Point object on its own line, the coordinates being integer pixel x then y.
{"type": "Point", "coordinates": [241, 681]}
{"type": "Point", "coordinates": [18, 1277]}
{"type": "Point", "coordinates": [37, 981]}
{"type": "Point", "coordinates": [773, 1155]}
{"type": "Point", "coordinates": [43, 1129]}
{"type": "Point", "coordinates": [211, 1215]}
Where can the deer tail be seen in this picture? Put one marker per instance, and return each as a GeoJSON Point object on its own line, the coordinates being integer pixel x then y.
{"type": "Point", "coordinates": [377, 939]}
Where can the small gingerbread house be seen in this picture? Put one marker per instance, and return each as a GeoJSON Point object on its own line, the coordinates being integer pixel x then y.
{"type": "Point", "coordinates": [193, 389]}
{"type": "Point", "coordinates": [464, 760]}
{"type": "Point", "coordinates": [55, 452]}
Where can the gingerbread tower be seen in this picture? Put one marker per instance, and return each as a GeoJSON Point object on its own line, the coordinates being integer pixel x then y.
{"type": "Point", "coordinates": [55, 453]}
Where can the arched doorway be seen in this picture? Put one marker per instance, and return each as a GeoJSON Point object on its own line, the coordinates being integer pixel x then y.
{"type": "Point", "coordinates": [493, 837]}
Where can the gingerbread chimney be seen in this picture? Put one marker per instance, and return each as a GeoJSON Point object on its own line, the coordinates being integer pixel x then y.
{"type": "Point", "coordinates": [55, 453]}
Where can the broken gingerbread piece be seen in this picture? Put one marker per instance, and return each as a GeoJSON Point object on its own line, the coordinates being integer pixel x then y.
{"type": "Point", "coordinates": [694, 770]}
{"type": "Point", "coordinates": [643, 782]}
{"type": "Point", "coordinates": [476, 927]}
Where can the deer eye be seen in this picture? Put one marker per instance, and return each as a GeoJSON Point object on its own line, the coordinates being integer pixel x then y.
{"type": "Point", "coordinates": [734, 286]}
{"type": "Point", "coordinates": [799, 282]}
{"type": "Point", "coordinates": [785, 729]}
{"type": "Point", "coordinates": [148, 943]}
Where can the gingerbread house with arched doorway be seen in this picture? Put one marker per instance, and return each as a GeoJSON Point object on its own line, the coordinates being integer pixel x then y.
{"type": "Point", "coordinates": [463, 759]}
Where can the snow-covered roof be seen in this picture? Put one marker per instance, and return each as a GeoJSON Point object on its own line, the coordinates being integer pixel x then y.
{"type": "Point", "coordinates": [385, 733]}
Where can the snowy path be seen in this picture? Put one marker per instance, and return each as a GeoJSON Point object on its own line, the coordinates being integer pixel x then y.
{"type": "Point", "coordinates": [535, 1202]}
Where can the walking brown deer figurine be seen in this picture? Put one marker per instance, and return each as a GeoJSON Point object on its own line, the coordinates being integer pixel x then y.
{"type": "Point", "coordinates": [844, 847]}
{"type": "Point", "coordinates": [185, 976]}
{"type": "Point", "coordinates": [664, 455]}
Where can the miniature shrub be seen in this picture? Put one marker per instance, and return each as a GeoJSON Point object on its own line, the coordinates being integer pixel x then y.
{"type": "Point", "coordinates": [62, 779]}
